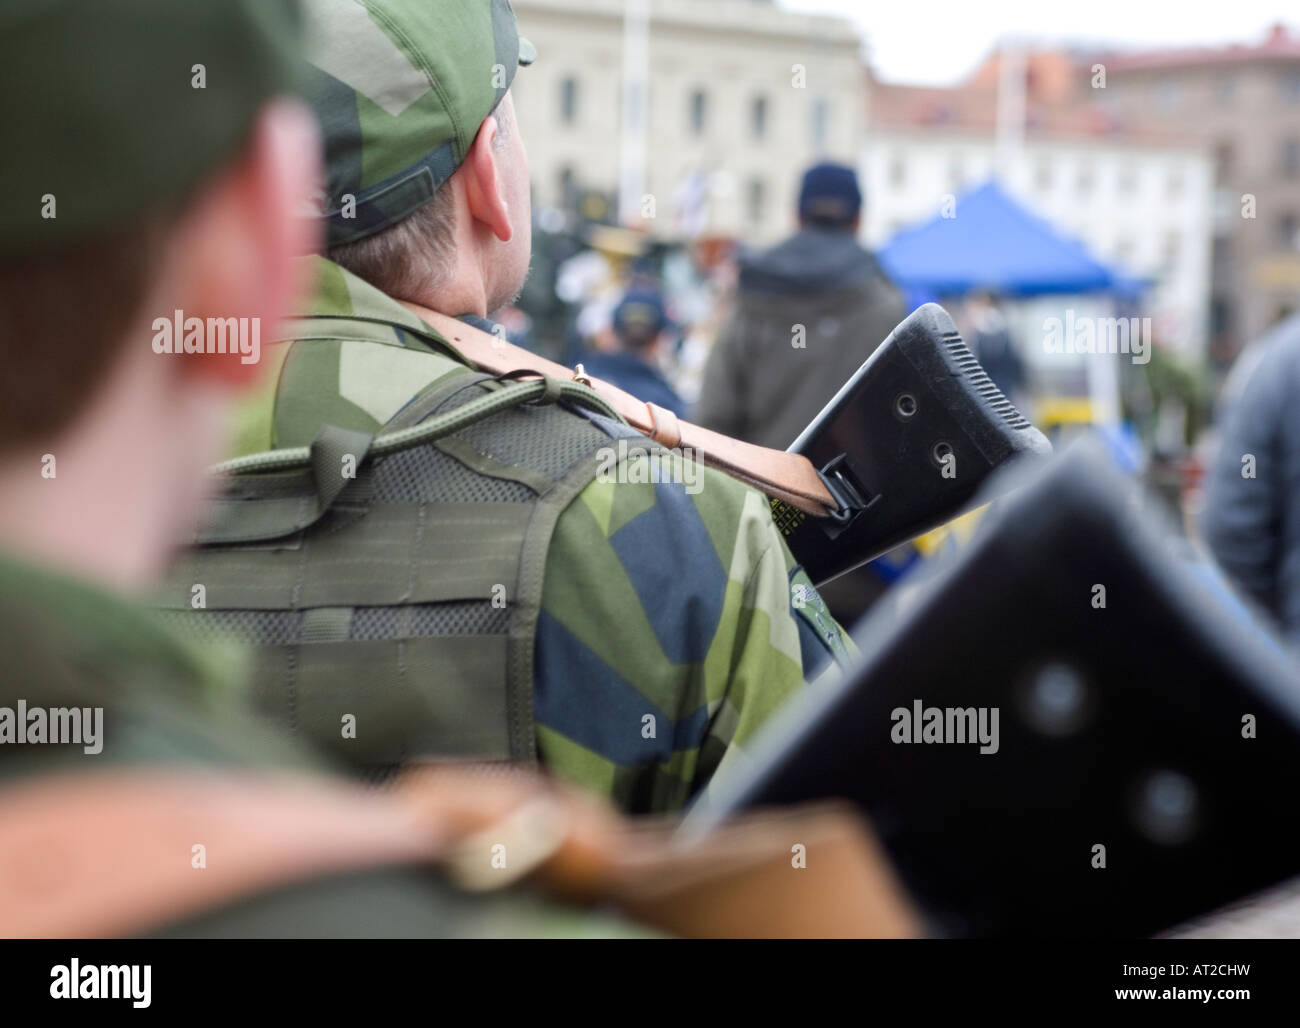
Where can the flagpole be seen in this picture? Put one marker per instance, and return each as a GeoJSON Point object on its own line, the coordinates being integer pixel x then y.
{"type": "Point", "coordinates": [632, 153]}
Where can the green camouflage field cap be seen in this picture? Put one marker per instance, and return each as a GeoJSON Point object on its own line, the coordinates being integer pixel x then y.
{"type": "Point", "coordinates": [115, 108]}
{"type": "Point", "coordinates": [401, 88]}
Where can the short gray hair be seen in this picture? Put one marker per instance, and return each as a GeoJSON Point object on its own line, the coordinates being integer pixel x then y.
{"type": "Point", "coordinates": [416, 254]}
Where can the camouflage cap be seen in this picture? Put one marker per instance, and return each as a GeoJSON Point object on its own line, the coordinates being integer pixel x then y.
{"type": "Point", "coordinates": [401, 88]}
{"type": "Point", "coordinates": [116, 108]}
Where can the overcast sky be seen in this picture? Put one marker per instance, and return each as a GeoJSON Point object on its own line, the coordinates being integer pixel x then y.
{"type": "Point", "coordinates": [936, 42]}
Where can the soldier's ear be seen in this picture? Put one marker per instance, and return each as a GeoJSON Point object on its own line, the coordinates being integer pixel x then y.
{"type": "Point", "coordinates": [483, 184]}
{"type": "Point", "coordinates": [236, 248]}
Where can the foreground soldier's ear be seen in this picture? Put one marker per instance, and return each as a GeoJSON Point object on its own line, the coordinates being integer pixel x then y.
{"type": "Point", "coordinates": [233, 252]}
{"type": "Point", "coordinates": [482, 180]}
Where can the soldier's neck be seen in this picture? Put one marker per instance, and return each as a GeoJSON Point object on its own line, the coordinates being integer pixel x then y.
{"type": "Point", "coordinates": [468, 286]}
{"type": "Point", "coordinates": [452, 298]}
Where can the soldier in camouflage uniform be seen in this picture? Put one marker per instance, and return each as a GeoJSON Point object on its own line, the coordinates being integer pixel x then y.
{"type": "Point", "coordinates": [492, 596]}
{"type": "Point", "coordinates": [105, 441]}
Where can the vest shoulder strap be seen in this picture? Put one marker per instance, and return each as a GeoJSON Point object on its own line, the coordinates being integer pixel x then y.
{"type": "Point", "coordinates": [785, 476]}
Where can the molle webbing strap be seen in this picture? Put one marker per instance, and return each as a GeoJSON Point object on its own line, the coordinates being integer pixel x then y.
{"type": "Point", "coordinates": [786, 476]}
{"type": "Point", "coordinates": [277, 506]}
{"type": "Point", "coordinates": [543, 391]}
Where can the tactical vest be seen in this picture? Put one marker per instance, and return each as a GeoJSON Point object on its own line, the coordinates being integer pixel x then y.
{"type": "Point", "coordinates": [393, 613]}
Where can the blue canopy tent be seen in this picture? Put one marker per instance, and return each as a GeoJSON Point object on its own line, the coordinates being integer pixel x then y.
{"type": "Point", "coordinates": [994, 243]}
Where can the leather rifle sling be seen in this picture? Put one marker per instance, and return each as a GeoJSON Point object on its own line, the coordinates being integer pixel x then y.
{"type": "Point", "coordinates": [786, 476]}
{"type": "Point", "coordinates": [116, 854]}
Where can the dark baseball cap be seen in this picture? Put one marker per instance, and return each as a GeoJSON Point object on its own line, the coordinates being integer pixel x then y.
{"type": "Point", "coordinates": [640, 315]}
{"type": "Point", "coordinates": [117, 108]}
{"type": "Point", "coordinates": [401, 88]}
{"type": "Point", "coordinates": [830, 194]}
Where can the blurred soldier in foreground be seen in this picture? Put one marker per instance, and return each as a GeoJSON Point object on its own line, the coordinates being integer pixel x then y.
{"type": "Point", "coordinates": [1252, 508]}
{"type": "Point", "coordinates": [135, 796]}
{"type": "Point", "coordinates": [808, 313]}
{"type": "Point", "coordinates": [181, 199]}
{"type": "Point", "coordinates": [506, 592]}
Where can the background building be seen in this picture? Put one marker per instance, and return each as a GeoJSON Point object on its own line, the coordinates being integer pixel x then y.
{"type": "Point", "coordinates": [740, 97]}
{"type": "Point", "coordinates": [1243, 102]}
{"type": "Point", "coordinates": [1139, 196]}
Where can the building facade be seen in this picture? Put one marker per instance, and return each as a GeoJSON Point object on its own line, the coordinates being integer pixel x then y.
{"type": "Point", "coordinates": [1139, 198]}
{"type": "Point", "coordinates": [741, 97]}
{"type": "Point", "coordinates": [1243, 103]}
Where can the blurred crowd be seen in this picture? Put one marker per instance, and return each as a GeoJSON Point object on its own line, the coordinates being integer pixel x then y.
{"type": "Point", "coordinates": [753, 342]}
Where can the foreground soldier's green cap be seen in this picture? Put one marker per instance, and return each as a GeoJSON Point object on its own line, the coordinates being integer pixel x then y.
{"type": "Point", "coordinates": [116, 107]}
{"type": "Point", "coordinates": [401, 88]}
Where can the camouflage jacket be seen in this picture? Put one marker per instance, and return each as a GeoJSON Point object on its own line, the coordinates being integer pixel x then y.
{"type": "Point", "coordinates": [167, 703]}
{"type": "Point", "coordinates": [673, 620]}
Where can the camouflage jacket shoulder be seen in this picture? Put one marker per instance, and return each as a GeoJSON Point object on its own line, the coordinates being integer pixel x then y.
{"type": "Point", "coordinates": [353, 359]}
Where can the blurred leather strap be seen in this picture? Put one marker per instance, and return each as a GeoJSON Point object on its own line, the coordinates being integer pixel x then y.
{"type": "Point", "coordinates": [786, 476]}
{"type": "Point", "coordinates": [115, 854]}
{"type": "Point", "coordinates": [803, 872]}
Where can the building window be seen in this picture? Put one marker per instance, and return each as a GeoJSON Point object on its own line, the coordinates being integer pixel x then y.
{"type": "Point", "coordinates": [1127, 181]}
{"type": "Point", "coordinates": [1291, 87]}
{"type": "Point", "coordinates": [821, 118]}
{"type": "Point", "coordinates": [1043, 177]}
{"type": "Point", "coordinates": [897, 171]}
{"type": "Point", "coordinates": [566, 188]}
{"type": "Point", "coordinates": [568, 100]}
{"type": "Point", "coordinates": [956, 173]}
{"type": "Point", "coordinates": [1173, 247]}
{"type": "Point", "coordinates": [1168, 96]}
{"type": "Point", "coordinates": [1287, 228]}
{"type": "Point", "coordinates": [1175, 185]}
{"type": "Point", "coordinates": [1290, 157]}
{"type": "Point", "coordinates": [1085, 180]}
{"type": "Point", "coordinates": [699, 112]}
{"type": "Point", "coordinates": [755, 201]}
{"type": "Point", "coordinates": [1224, 159]}
{"type": "Point", "coordinates": [758, 117]}
{"type": "Point", "coordinates": [1226, 89]}
{"type": "Point", "coordinates": [1221, 315]}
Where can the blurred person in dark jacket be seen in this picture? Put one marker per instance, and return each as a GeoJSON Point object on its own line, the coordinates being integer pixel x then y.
{"type": "Point", "coordinates": [1252, 513]}
{"type": "Point", "coordinates": [809, 311]}
{"type": "Point", "coordinates": [640, 326]}
{"type": "Point", "coordinates": [990, 338]}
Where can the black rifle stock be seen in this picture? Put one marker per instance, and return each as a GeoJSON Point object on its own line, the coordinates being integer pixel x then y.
{"type": "Point", "coordinates": [903, 446]}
